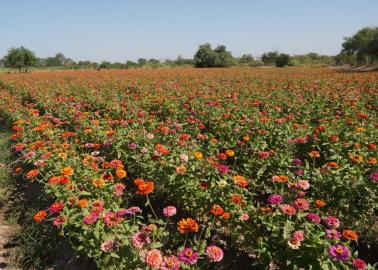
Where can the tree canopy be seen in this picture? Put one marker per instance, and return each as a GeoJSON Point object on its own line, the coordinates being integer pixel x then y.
{"type": "Point", "coordinates": [19, 58]}
{"type": "Point", "coordinates": [207, 57]}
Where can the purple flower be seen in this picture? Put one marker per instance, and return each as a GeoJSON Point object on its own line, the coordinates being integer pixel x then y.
{"type": "Point", "coordinates": [90, 219]}
{"type": "Point", "coordinates": [275, 199]}
{"type": "Point", "coordinates": [339, 252]}
{"type": "Point", "coordinates": [313, 217]}
{"type": "Point", "coordinates": [188, 256]}
{"type": "Point", "coordinates": [133, 146]}
{"type": "Point", "coordinates": [299, 172]}
{"type": "Point", "coordinates": [297, 162]}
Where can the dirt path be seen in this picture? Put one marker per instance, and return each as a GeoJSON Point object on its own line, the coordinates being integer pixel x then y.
{"type": "Point", "coordinates": [8, 229]}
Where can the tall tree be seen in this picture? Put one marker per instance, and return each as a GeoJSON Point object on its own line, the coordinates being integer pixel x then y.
{"type": "Point", "coordinates": [19, 58]}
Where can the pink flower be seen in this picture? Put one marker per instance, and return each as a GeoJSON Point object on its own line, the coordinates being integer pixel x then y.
{"type": "Point", "coordinates": [313, 217]}
{"type": "Point", "coordinates": [263, 154]}
{"type": "Point", "coordinates": [169, 211]}
{"type": "Point", "coordinates": [303, 184]}
{"type": "Point", "coordinates": [140, 239]}
{"type": "Point", "coordinates": [214, 253]}
{"type": "Point", "coordinates": [298, 235]}
{"type": "Point", "coordinates": [332, 221]}
{"type": "Point", "coordinates": [301, 204]}
{"type": "Point", "coordinates": [107, 245]}
{"type": "Point", "coordinates": [90, 219]}
{"type": "Point", "coordinates": [118, 189]}
{"type": "Point", "coordinates": [170, 263]}
{"type": "Point", "coordinates": [244, 217]}
{"type": "Point", "coordinates": [359, 264]}
{"type": "Point", "coordinates": [58, 221]}
{"type": "Point", "coordinates": [374, 176]}
{"type": "Point", "coordinates": [288, 210]}
{"type": "Point", "coordinates": [111, 219]}
{"type": "Point", "coordinates": [333, 234]}
{"type": "Point", "coordinates": [154, 258]}
{"type": "Point", "coordinates": [223, 168]}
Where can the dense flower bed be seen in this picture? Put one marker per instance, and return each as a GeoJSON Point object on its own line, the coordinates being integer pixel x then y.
{"type": "Point", "coordinates": [182, 168]}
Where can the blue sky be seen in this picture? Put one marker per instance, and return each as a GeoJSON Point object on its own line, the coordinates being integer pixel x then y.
{"type": "Point", "coordinates": [117, 30]}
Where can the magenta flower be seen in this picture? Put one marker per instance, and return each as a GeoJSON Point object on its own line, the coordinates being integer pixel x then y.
{"type": "Point", "coordinates": [275, 199]}
{"type": "Point", "coordinates": [188, 256]}
{"type": "Point", "coordinates": [297, 162]}
{"type": "Point", "coordinates": [339, 252]}
{"type": "Point", "coordinates": [374, 176]}
{"type": "Point", "coordinates": [140, 239]}
{"type": "Point", "coordinates": [111, 219]}
{"type": "Point", "coordinates": [223, 168]}
{"type": "Point", "coordinates": [359, 264]}
{"type": "Point", "coordinates": [90, 219]}
{"type": "Point", "coordinates": [313, 217]}
{"type": "Point", "coordinates": [263, 154]}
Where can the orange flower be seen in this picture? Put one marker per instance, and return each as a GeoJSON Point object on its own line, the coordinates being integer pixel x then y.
{"type": "Point", "coordinates": [320, 203]}
{"type": "Point", "coordinates": [350, 235]}
{"type": "Point", "coordinates": [18, 170]}
{"type": "Point", "coordinates": [82, 203]}
{"type": "Point", "coordinates": [236, 198]}
{"type": "Point", "coordinates": [144, 187]}
{"type": "Point", "coordinates": [240, 181]}
{"type": "Point", "coordinates": [230, 153]}
{"type": "Point", "coordinates": [121, 173]}
{"type": "Point", "coordinates": [332, 164]}
{"type": "Point", "coordinates": [38, 217]}
{"type": "Point", "coordinates": [226, 215]}
{"type": "Point", "coordinates": [67, 171]}
{"type": "Point", "coordinates": [99, 182]}
{"type": "Point", "coordinates": [186, 225]}
{"type": "Point", "coordinates": [216, 210]}
{"type": "Point", "coordinates": [356, 158]}
{"type": "Point", "coordinates": [198, 155]}
{"type": "Point", "coordinates": [280, 178]}
{"type": "Point", "coordinates": [32, 174]}
{"type": "Point", "coordinates": [372, 160]}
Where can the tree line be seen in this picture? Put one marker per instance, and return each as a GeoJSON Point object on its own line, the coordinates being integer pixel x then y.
{"type": "Point", "coordinates": [361, 48]}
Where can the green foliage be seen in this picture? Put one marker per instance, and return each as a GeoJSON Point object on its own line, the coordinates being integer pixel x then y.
{"type": "Point", "coordinates": [363, 46]}
{"type": "Point", "coordinates": [207, 57]}
{"type": "Point", "coordinates": [269, 58]}
{"type": "Point", "coordinates": [282, 60]}
{"type": "Point", "coordinates": [19, 58]}
{"type": "Point", "coordinates": [311, 59]}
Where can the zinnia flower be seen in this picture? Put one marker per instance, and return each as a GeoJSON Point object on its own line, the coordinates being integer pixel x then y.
{"type": "Point", "coordinates": [313, 217]}
{"type": "Point", "coordinates": [154, 258]}
{"type": "Point", "coordinates": [275, 199]}
{"type": "Point", "coordinates": [332, 221]}
{"type": "Point", "coordinates": [140, 239]}
{"type": "Point", "coordinates": [40, 215]}
{"type": "Point", "coordinates": [187, 225]}
{"type": "Point", "coordinates": [214, 253]}
{"type": "Point", "coordinates": [56, 207]}
{"type": "Point", "coordinates": [107, 245]}
{"type": "Point", "coordinates": [288, 210]}
{"type": "Point", "coordinates": [333, 234]}
{"type": "Point", "coordinates": [374, 176]}
{"type": "Point", "coordinates": [169, 211]}
{"type": "Point", "coordinates": [339, 252]}
{"type": "Point", "coordinates": [170, 263]}
{"type": "Point", "coordinates": [359, 264]}
{"type": "Point", "coordinates": [188, 256]}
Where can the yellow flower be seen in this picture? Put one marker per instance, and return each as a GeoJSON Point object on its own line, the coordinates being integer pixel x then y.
{"type": "Point", "coordinates": [62, 156]}
{"type": "Point", "coordinates": [67, 171]}
{"type": "Point", "coordinates": [198, 155]}
{"type": "Point", "coordinates": [359, 130]}
{"type": "Point", "coordinates": [99, 182]}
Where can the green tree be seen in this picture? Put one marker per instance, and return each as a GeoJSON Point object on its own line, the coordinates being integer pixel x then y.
{"type": "Point", "coordinates": [269, 58]}
{"type": "Point", "coordinates": [282, 60]}
{"type": "Point", "coordinates": [219, 57]}
{"type": "Point", "coordinates": [20, 58]}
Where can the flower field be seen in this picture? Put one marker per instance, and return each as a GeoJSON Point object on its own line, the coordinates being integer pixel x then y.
{"type": "Point", "coordinates": [194, 169]}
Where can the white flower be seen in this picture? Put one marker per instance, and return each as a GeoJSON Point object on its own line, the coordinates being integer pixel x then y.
{"type": "Point", "coordinates": [184, 158]}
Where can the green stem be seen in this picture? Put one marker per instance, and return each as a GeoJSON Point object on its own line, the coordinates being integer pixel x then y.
{"type": "Point", "coordinates": [152, 209]}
